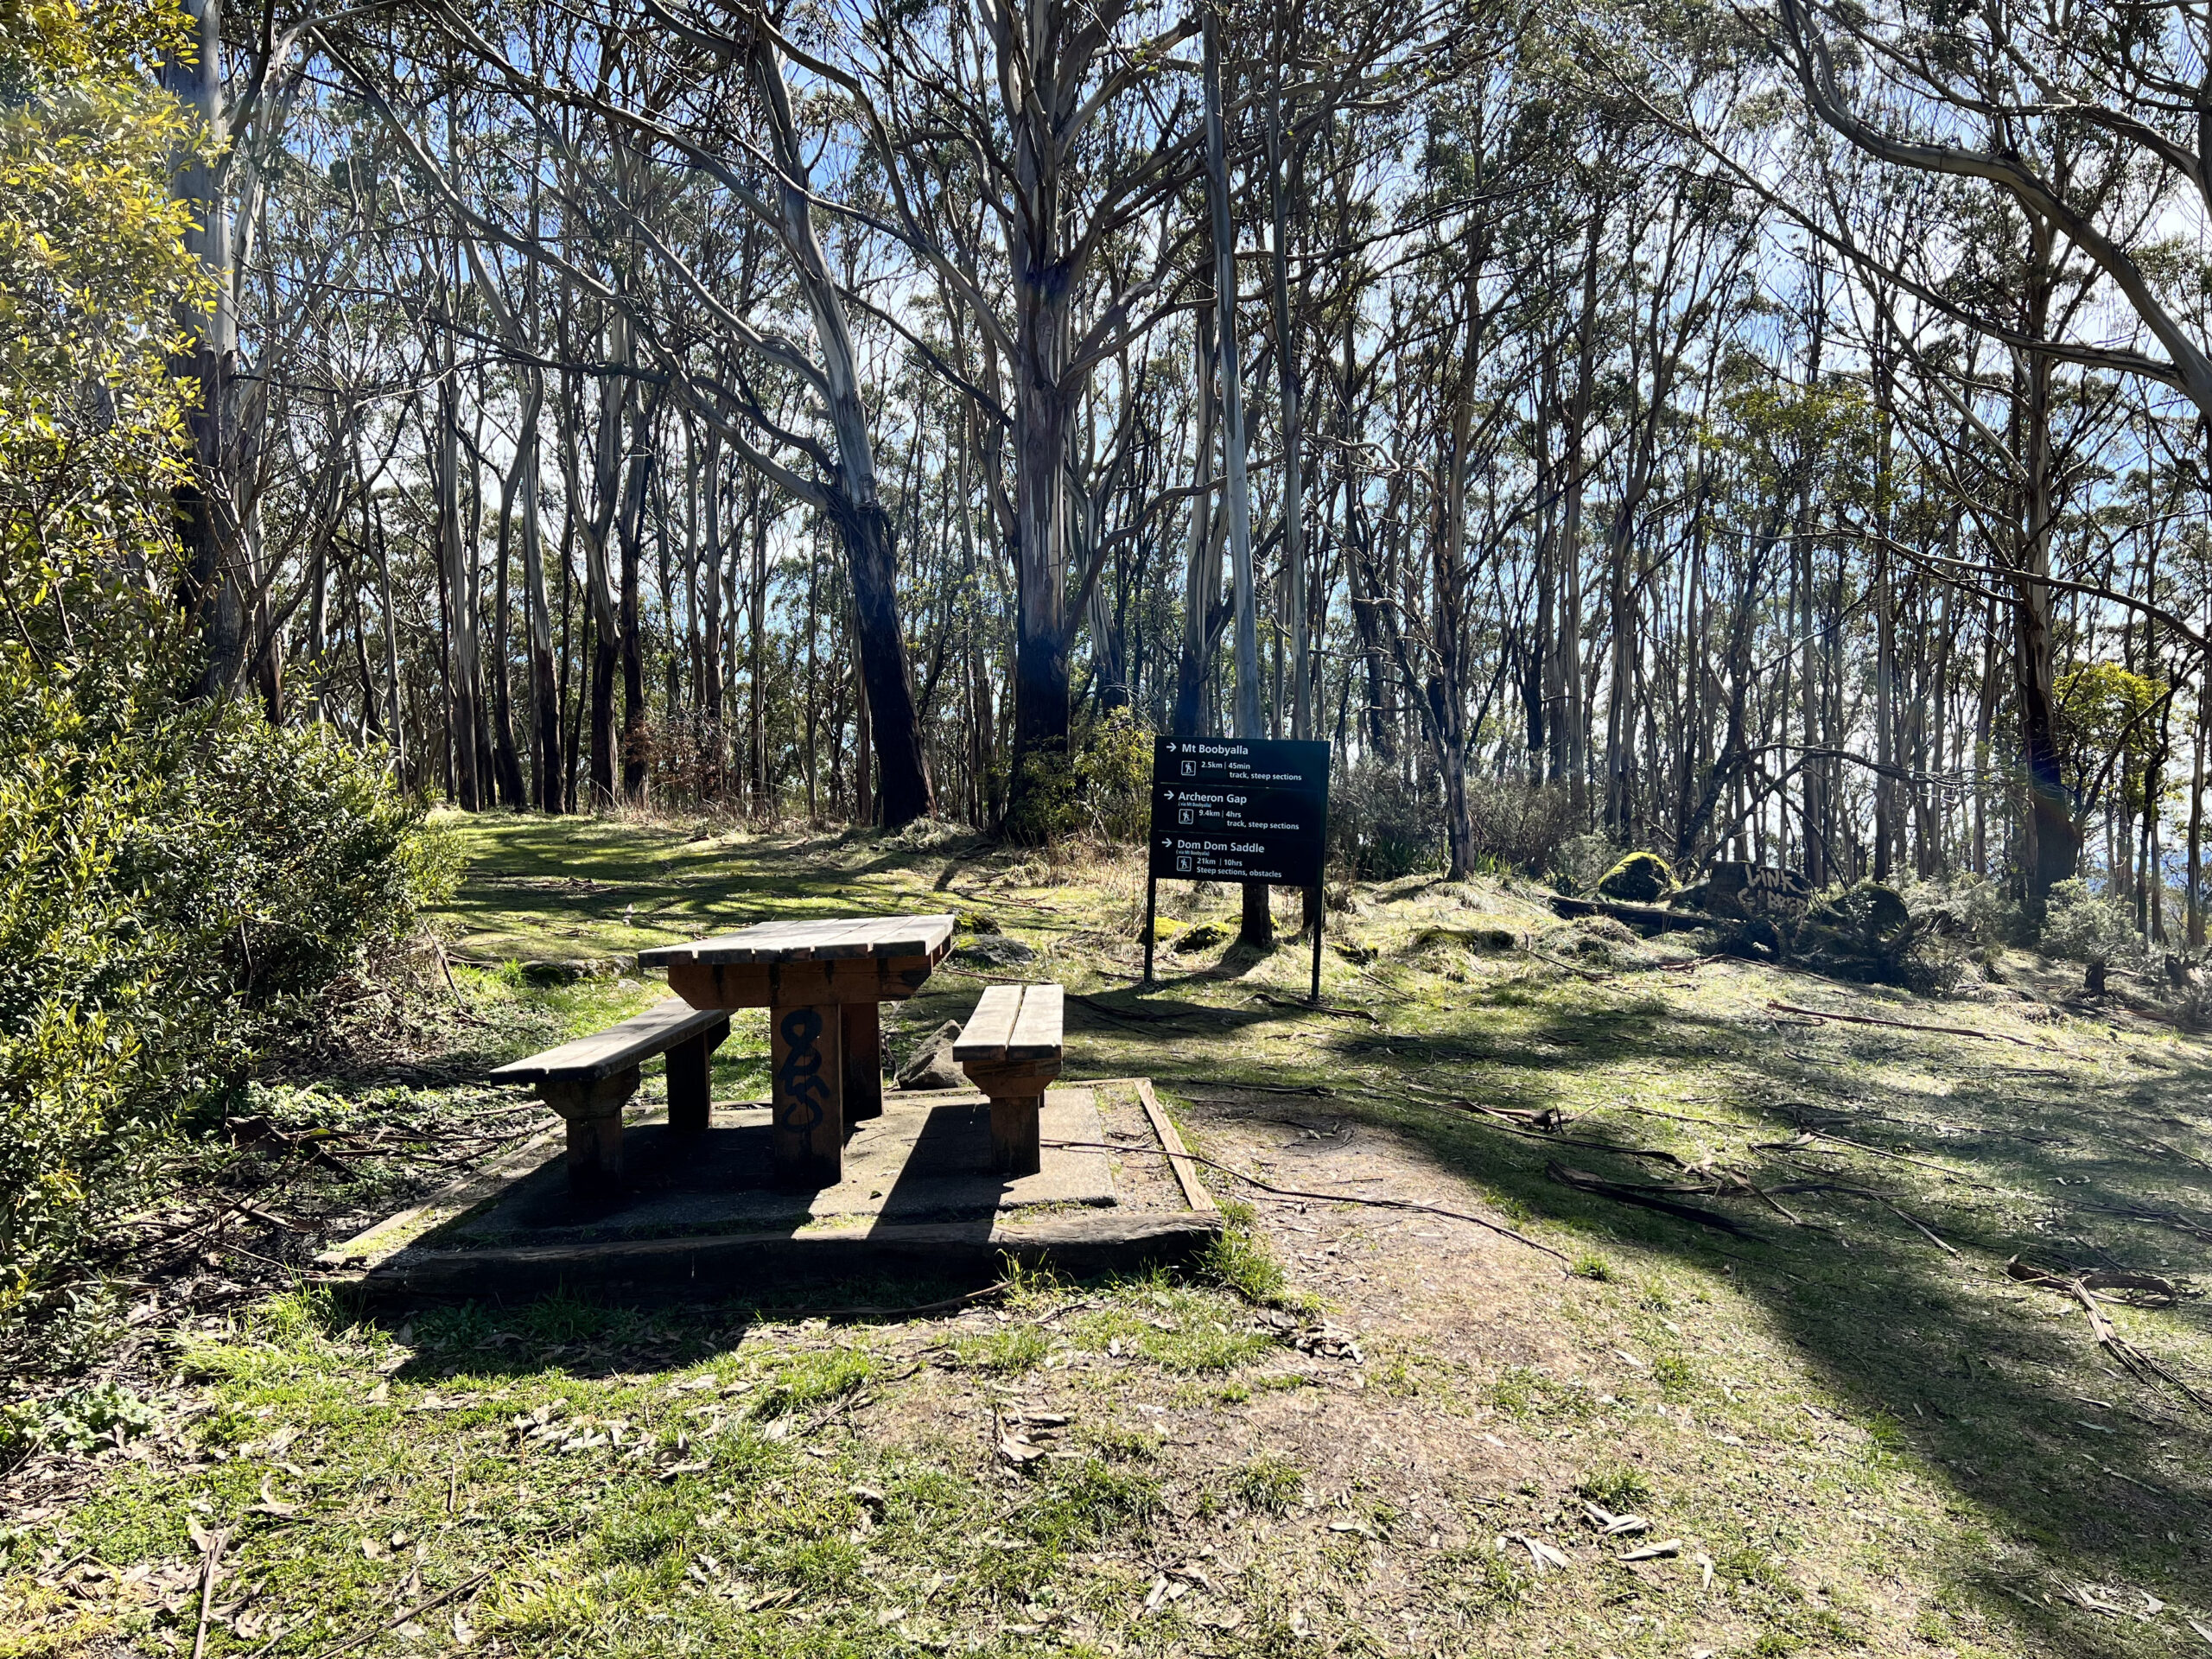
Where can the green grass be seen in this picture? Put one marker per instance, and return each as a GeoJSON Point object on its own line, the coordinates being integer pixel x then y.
{"type": "Point", "coordinates": [1273, 1485]}
{"type": "Point", "coordinates": [1879, 1446]}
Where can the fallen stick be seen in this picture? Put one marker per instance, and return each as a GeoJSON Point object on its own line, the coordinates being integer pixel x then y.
{"type": "Point", "coordinates": [1317, 1090]}
{"type": "Point", "coordinates": [399, 1618]}
{"type": "Point", "coordinates": [209, 1560]}
{"type": "Point", "coordinates": [2162, 1217]}
{"type": "Point", "coordinates": [1908, 1024]}
{"type": "Point", "coordinates": [1653, 916]}
{"type": "Point", "coordinates": [1649, 1197]}
{"type": "Point", "coordinates": [1505, 1123]}
{"type": "Point", "coordinates": [1882, 1198]}
{"type": "Point", "coordinates": [1808, 1135]}
{"type": "Point", "coordinates": [2139, 1365]}
{"type": "Point", "coordinates": [1590, 974]}
{"type": "Point", "coordinates": [1932, 1236]}
{"type": "Point", "coordinates": [1322, 1198]}
{"type": "Point", "coordinates": [1316, 1007]}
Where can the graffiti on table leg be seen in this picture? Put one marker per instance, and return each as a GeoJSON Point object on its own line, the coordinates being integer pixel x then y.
{"type": "Point", "coordinates": [806, 1097]}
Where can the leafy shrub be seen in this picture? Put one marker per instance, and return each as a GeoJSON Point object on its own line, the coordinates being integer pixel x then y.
{"type": "Point", "coordinates": [1980, 911]}
{"type": "Point", "coordinates": [1520, 825]}
{"type": "Point", "coordinates": [1579, 862]}
{"type": "Point", "coordinates": [174, 881]}
{"type": "Point", "coordinates": [2079, 926]}
{"type": "Point", "coordinates": [1044, 807]}
{"type": "Point", "coordinates": [1099, 784]}
{"type": "Point", "coordinates": [1114, 763]}
{"type": "Point", "coordinates": [172, 888]}
{"type": "Point", "coordinates": [1382, 828]}
{"type": "Point", "coordinates": [75, 1421]}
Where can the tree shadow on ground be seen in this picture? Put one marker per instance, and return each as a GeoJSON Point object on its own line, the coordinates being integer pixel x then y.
{"type": "Point", "coordinates": [1973, 1373]}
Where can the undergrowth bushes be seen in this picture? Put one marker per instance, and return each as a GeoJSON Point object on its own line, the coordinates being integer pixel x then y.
{"type": "Point", "coordinates": [1382, 828]}
{"type": "Point", "coordinates": [2080, 926]}
{"type": "Point", "coordinates": [173, 886]}
{"type": "Point", "coordinates": [175, 877]}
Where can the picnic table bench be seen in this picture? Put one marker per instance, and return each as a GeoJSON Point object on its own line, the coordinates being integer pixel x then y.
{"type": "Point", "coordinates": [821, 981]}
{"type": "Point", "coordinates": [1011, 1049]}
{"type": "Point", "coordinates": [589, 1081]}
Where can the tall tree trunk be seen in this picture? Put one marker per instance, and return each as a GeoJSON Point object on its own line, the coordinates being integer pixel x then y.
{"type": "Point", "coordinates": [506, 759]}
{"type": "Point", "coordinates": [1202, 560]}
{"type": "Point", "coordinates": [1573, 705]}
{"type": "Point", "coordinates": [870, 551]}
{"type": "Point", "coordinates": [2194, 922]}
{"type": "Point", "coordinates": [863, 746]}
{"type": "Point", "coordinates": [631, 537]}
{"type": "Point", "coordinates": [461, 712]}
{"type": "Point", "coordinates": [1291, 395]}
{"type": "Point", "coordinates": [710, 649]}
{"type": "Point", "coordinates": [1447, 693]}
{"type": "Point", "coordinates": [1258, 927]}
{"type": "Point", "coordinates": [2050, 844]}
{"type": "Point", "coordinates": [757, 630]}
{"type": "Point", "coordinates": [545, 694]}
{"type": "Point", "coordinates": [213, 590]}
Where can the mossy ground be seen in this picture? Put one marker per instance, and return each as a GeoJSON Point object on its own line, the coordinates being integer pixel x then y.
{"type": "Point", "coordinates": [1859, 1442]}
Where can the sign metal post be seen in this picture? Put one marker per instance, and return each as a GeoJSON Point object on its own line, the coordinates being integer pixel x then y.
{"type": "Point", "coordinates": [1238, 808]}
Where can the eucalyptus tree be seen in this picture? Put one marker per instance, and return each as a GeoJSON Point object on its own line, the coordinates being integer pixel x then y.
{"type": "Point", "coordinates": [700, 95]}
{"type": "Point", "coordinates": [2083, 121]}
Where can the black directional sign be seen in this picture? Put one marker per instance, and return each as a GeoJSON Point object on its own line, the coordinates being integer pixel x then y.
{"type": "Point", "coordinates": [1236, 809]}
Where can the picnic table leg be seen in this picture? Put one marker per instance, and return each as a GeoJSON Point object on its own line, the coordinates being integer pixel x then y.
{"type": "Point", "coordinates": [863, 1061]}
{"type": "Point", "coordinates": [1015, 1148]}
{"type": "Point", "coordinates": [690, 1070]}
{"type": "Point", "coordinates": [594, 1111]}
{"type": "Point", "coordinates": [1017, 1096]}
{"type": "Point", "coordinates": [806, 1071]}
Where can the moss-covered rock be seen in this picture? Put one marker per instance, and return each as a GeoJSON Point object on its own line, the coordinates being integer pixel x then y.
{"type": "Point", "coordinates": [1204, 937]}
{"type": "Point", "coordinates": [1639, 878]}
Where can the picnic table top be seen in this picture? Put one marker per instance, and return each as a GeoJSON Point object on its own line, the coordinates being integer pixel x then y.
{"type": "Point", "coordinates": [825, 938]}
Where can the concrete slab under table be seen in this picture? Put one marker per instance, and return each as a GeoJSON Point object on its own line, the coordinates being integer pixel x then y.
{"type": "Point", "coordinates": [699, 1214]}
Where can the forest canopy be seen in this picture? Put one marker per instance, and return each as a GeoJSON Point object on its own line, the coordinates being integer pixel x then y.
{"type": "Point", "coordinates": [1731, 433]}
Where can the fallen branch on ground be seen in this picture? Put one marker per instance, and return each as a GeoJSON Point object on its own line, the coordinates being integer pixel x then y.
{"type": "Point", "coordinates": [1316, 1007]}
{"type": "Point", "coordinates": [1652, 1197]}
{"type": "Point", "coordinates": [2181, 1223]}
{"type": "Point", "coordinates": [1319, 1090]}
{"type": "Point", "coordinates": [1882, 1198]}
{"type": "Point", "coordinates": [404, 1616]}
{"type": "Point", "coordinates": [1806, 1137]}
{"type": "Point", "coordinates": [2141, 1366]}
{"type": "Point", "coordinates": [210, 1559]}
{"type": "Point", "coordinates": [1908, 1024]}
{"type": "Point", "coordinates": [1558, 1140]}
{"type": "Point", "coordinates": [1590, 974]}
{"type": "Point", "coordinates": [1667, 921]}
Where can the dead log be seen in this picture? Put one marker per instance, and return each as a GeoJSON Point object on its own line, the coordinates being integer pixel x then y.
{"type": "Point", "coordinates": [1658, 918]}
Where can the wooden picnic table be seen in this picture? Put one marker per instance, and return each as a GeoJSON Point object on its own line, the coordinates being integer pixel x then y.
{"type": "Point", "coordinates": [822, 982]}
